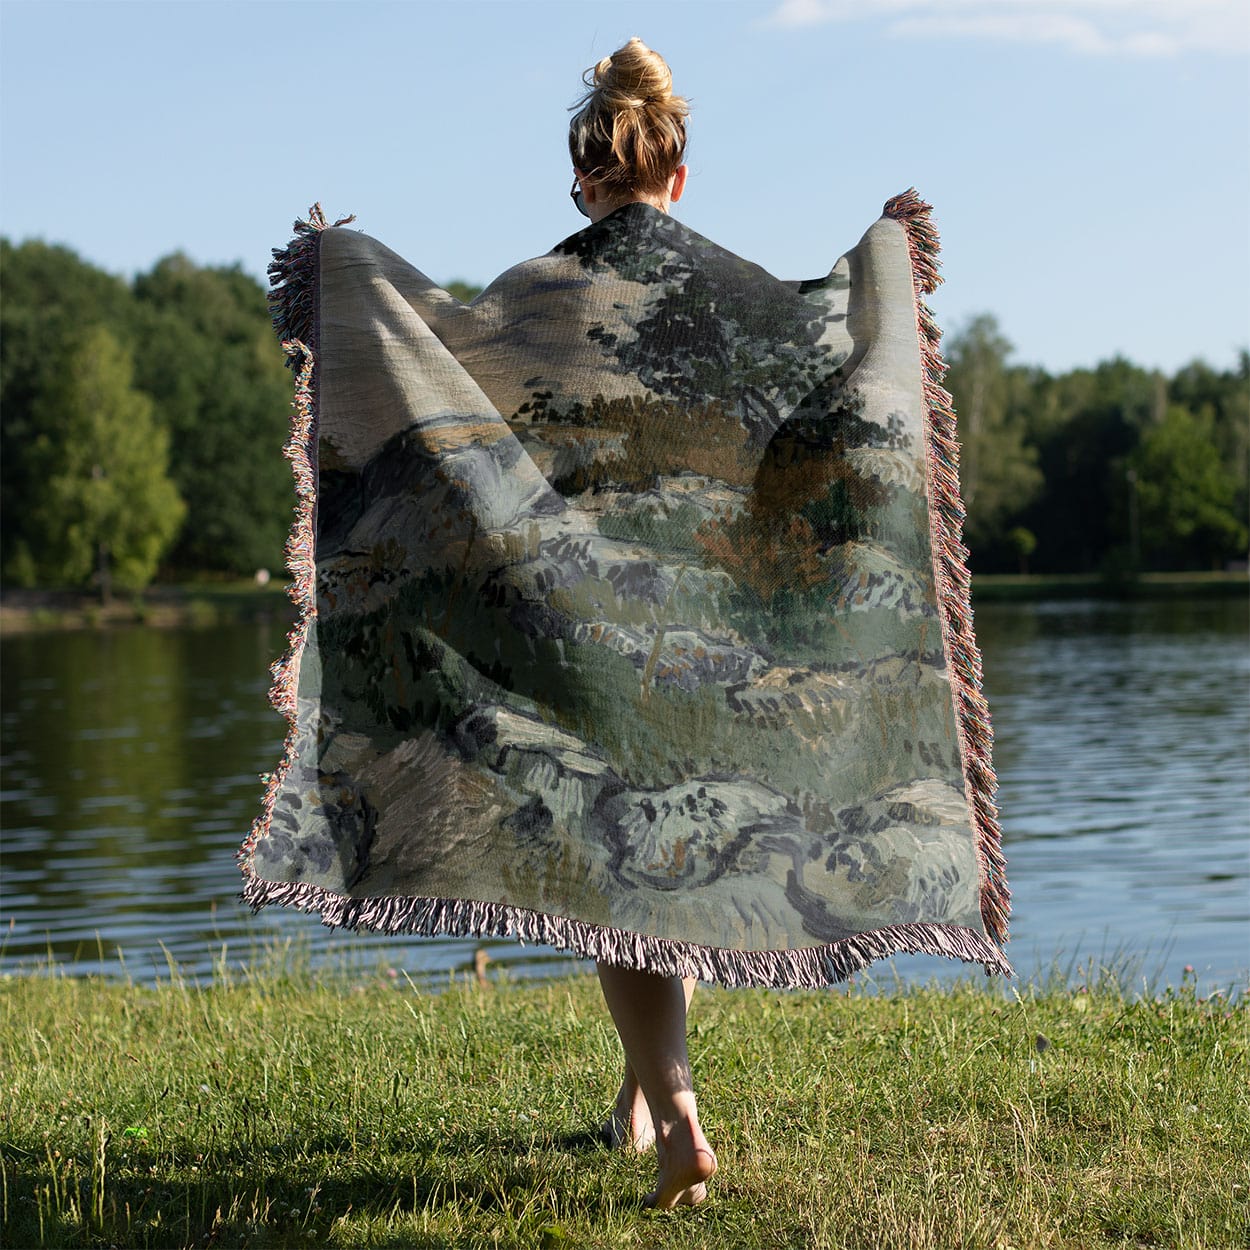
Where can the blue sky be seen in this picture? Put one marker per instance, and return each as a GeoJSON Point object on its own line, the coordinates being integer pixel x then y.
{"type": "Point", "coordinates": [1089, 160]}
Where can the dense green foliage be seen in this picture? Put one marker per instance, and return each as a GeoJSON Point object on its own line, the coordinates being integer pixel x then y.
{"type": "Point", "coordinates": [206, 353]}
{"type": "Point", "coordinates": [353, 1111]}
{"type": "Point", "coordinates": [1113, 470]}
{"type": "Point", "coordinates": [106, 503]}
{"type": "Point", "coordinates": [208, 396]}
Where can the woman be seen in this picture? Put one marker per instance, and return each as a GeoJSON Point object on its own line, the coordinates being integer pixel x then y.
{"type": "Point", "coordinates": [634, 614]}
{"type": "Point", "coordinates": [628, 141]}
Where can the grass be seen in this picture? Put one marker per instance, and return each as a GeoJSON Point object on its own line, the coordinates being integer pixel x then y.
{"type": "Point", "coordinates": [293, 1109]}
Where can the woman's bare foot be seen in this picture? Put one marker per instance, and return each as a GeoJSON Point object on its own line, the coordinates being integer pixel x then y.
{"type": "Point", "coordinates": [649, 1012]}
{"type": "Point", "coordinates": [686, 1165]}
{"type": "Point", "coordinates": [629, 1126]}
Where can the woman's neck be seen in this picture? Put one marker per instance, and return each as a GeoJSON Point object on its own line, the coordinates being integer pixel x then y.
{"type": "Point", "coordinates": [603, 208]}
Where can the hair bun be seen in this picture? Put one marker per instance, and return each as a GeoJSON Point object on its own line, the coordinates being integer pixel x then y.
{"type": "Point", "coordinates": [634, 76]}
{"type": "Point", "coordinates": [629, 131]}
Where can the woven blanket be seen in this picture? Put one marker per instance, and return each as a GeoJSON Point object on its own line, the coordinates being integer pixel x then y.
{"type": "Point", "coordinates": [633, 613]}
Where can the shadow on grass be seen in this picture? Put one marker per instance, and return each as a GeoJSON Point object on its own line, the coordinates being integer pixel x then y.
{"type": "Point", "coordinates": [264, 1197]}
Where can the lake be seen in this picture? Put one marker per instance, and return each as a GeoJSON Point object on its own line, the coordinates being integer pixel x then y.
{"type": "Point", "coordinates": [130, 775]}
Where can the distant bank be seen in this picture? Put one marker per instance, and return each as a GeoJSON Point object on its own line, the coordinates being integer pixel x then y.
{"type": "Point", "coordinates": [175, 605]}
{"type": "Point", "coordinates": [1004, 587]}
{"type": "Point", "coordinates": [213, 603]}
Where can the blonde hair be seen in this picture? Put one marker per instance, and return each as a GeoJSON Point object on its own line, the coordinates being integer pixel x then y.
{"type": "Point", "coordinates": [629, 133]}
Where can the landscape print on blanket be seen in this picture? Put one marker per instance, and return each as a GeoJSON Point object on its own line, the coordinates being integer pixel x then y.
{"type": "Point", "coordinates": [625, 600]}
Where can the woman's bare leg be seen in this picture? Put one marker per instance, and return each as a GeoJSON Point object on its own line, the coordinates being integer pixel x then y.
{"type": "Point", "coordinates": [650, 1015]}
{"type": "Point", "coordinates": [629, 1124]}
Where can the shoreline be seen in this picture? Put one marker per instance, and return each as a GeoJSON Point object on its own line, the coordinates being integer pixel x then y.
{"type": "Point", "coordinates": [172, 606]}
{"type": "Point", "coordinates": [204, 604]}
{"type": "Point", "coordinates": [1036, 587]}
{"type": "Point", "coordinates": [1121, 975]}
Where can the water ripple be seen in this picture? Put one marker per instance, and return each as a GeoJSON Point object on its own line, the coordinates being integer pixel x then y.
{"type": "Point", "coordinates": [1121, 736]}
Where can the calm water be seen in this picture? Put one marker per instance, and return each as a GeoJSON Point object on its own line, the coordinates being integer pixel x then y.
{"type": "Point", "coordinates": [130, 763]}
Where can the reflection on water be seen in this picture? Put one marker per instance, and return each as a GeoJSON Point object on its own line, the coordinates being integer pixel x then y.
{"type": "Point", "coordinates": [1123, 732]}
{"type": "Point", "coordinates": [131, 762]}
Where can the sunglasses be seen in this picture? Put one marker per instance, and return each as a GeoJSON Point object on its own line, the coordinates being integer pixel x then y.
{"type": "Point", "coordinates": [576, 196]}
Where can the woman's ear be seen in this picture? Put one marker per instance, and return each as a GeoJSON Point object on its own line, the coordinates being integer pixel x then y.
{"type": "Point", "coordinates": [588, 186]}
{"type": "Point", "coordinates": [678, 184]}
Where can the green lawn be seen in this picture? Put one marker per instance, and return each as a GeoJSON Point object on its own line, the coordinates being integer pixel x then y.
{"type": "Point", "coordinates": [292, 1110]}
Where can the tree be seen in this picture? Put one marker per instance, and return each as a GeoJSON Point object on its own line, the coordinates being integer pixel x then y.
{"type": "Point", "coordinates": [997, 467]}
{"type": "Point", "coordinates": [1186, 494]}
{"type": "Point", "coordinates": [1223, 398]}
{"type": "Point", "coordinates": [51, 298]}
{"type": "Point", "coordinates": [465, 292]}
{"type": "Point", "coordinates": [208, 357]}
{"type": "Point", "coordinates": [103, 502]}
{"type": "Point", "coordinates": [1086, 424]}
{"type": "Point", "coordinates": [1024, 543]}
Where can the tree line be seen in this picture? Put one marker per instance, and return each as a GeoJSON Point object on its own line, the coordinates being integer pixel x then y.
{"type": "Point", "coordinates": [142, 424]}
{"type": "Point", "coordinates": [1113, 470]}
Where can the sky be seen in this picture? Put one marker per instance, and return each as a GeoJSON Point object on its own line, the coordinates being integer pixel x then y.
{"type": "Point", "coordinates": [1088, 160]}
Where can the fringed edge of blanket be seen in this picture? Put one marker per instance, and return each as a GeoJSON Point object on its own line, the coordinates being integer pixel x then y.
{"type": "Point", "coordinates": [293, 305]}
{"type": "Point", "coordinates": [808, 967]}
{"type": "Point", "coordinates": [950, 565]}
{"type": "Point", "coordinates": [293, 281]}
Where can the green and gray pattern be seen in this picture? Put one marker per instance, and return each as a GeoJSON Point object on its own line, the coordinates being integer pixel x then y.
{"type": "Point", "coordinates": [626, 632]}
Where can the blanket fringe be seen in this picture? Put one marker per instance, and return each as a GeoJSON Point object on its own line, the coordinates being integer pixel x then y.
{"type": "Point", "coordinates": [805, 968]}
{"type": "Point", "coordinates": [293, 305]}
{"type": "Point", "coordinates": [293, 281]}
{"type": "Point", "coordinates": [950, 563]}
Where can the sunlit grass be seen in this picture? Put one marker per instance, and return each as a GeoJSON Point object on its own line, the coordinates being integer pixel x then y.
{"type": "Point", "coordinates": [277, 1107]}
